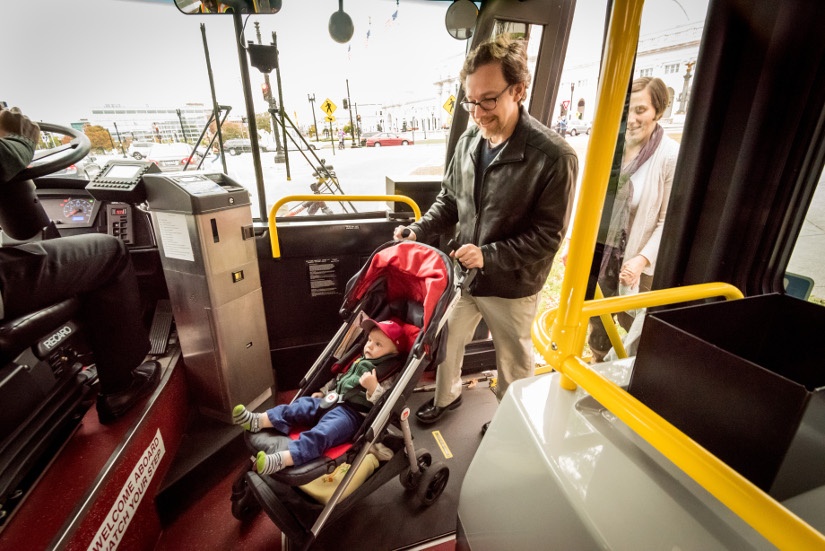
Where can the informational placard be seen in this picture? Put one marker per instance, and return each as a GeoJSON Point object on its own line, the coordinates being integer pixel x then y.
{"type": "Point", "coordinates": [323, 277]}
{"type": "Point", "coordinates": [175, 236]}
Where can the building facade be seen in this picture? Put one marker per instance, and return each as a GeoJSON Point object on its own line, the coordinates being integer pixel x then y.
{"type": "Point", "coordinates": [148, 123]}
{"type": "Point", "coordinates": [670, 55]}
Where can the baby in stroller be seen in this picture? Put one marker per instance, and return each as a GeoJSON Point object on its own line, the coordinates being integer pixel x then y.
{"type": "Point", "coordinates": [335, 412]}
{"type": "Point", "coordinates": [414, 286]}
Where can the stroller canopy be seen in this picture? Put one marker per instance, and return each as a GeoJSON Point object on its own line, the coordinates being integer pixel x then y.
{"type": "Point", "coordinates": [411, 271]}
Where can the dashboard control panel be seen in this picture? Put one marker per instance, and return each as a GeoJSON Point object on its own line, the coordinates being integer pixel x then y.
{"type": "Point", "coordinates": [122, 181]}
{"type": "Point", "coordinates": [119, 222]}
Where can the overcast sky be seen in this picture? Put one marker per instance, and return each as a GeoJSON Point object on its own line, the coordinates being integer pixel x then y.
{"type": "Point", "coordinates": [61, 58]}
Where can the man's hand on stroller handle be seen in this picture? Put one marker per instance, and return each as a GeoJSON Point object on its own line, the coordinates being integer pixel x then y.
{"type": "Point", "coordinates": [403, 232]}
{"type": "Point", "coordinates": [468, 255]}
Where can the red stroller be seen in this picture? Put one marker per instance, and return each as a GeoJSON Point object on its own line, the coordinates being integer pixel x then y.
{"type": "Point", "coordinates": [405, 280]}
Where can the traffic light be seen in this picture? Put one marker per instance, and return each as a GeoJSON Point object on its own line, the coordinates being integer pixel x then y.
{"type": "Point", "coordinates": [346, 104]}
{"type": "Point", "coordinates": [267, 90]}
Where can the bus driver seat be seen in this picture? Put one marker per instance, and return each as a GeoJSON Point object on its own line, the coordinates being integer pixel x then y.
{"type": "Point", "coordinates": [43, 385]}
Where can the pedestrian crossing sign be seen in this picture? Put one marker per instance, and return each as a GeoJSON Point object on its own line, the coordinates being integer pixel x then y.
{"type": "Point", "coordinates": [449, 106]}
{"type": "Point", "coordinates": [328, 107]}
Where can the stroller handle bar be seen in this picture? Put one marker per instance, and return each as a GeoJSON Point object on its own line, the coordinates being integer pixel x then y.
{"type": "Point", "coordinates": [464, 277]}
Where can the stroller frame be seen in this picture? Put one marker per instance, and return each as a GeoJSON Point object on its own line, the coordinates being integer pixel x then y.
{"type": "Point", "coordinates": [300, 518]}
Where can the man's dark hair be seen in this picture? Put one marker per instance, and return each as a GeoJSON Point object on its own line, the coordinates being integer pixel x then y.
{"type": "Point", "coordinates": [510, 53]}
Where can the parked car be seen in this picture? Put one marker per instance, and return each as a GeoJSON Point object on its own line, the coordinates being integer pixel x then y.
{"type": "Point", "coordinates": [171, 156]}
{"type": "Point", "coordinates": [237, 146]}
{"type": "Point", "coordinates": [139, 150]}
{"type": "Point", "coordinates": [387, 138]}
{"type": "Point", "coordinates": [365, 135]}
{"type": "Point", "coordinates": [578, 126]}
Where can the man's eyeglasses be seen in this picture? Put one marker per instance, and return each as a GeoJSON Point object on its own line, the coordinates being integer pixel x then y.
{"type": "Point", "coordinates": [487, 104]}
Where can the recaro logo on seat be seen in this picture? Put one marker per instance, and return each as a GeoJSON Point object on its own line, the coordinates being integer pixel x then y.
{"type": "Point", "coordinates": [58, 337]}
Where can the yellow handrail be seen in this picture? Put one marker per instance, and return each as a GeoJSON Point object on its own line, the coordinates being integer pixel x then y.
{"type": "Point", "coordinates": [543, 325]}
{"type": "Point", "coordinates": [559, 334]}
{"type": "Point", "coordinates": [273, 230]}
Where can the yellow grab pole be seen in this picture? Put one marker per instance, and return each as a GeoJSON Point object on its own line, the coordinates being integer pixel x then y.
{"type": "Point", "coordinates": [273, 229]}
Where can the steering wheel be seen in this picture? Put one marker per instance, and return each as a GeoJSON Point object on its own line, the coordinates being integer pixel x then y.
{"type": "Point", "coordinates": [51, 160]}
{"type": "Point", "coordinates": [21, 214]}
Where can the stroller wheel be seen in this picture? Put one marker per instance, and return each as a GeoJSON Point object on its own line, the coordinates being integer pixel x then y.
{"type": "Point", "coordinates": [432, 483]}
{"type": "Point", "coordinates": [244, 504]}
{"type": "Point", "coordinates": [408, 478]}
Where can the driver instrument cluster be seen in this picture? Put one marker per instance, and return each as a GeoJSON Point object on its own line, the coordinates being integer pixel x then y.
{"type": "Point", "coordinates": [71, 211]}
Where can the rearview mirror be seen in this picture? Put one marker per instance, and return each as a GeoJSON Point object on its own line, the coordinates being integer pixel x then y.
{"type": "Point", "coordinates": [209, 7]}
{"type": "Point", "coordinates": [461, 19]}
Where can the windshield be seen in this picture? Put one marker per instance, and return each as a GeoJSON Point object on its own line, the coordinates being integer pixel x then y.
{"type": "Point", "coordinates": [138, 72]}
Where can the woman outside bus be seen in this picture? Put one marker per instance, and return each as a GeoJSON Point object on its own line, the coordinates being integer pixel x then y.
{"type": "Point", "coordinates": [632, 244]}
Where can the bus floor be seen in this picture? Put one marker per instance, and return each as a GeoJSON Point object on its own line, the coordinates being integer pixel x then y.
{"type": "Point", "coordinates": [387, 519]}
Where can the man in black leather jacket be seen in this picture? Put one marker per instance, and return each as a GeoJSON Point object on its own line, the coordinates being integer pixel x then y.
{"type": "Point", "coordinates": [507, 194]}
{"type": "Point", "coordinates": [95, 267]}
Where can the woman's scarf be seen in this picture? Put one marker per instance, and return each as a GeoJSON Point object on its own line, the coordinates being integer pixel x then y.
{"type": "Point", "coordinates": [616, 240]}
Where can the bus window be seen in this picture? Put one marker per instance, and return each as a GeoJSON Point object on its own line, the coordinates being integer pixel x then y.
{"type": "Point", "coordinates": [803, 279]}
{"type": "Point", "coordinates": [669, 40]}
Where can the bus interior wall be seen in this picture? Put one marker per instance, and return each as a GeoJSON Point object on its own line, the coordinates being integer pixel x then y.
{"type": "Point", "coordinates": [308, 282]}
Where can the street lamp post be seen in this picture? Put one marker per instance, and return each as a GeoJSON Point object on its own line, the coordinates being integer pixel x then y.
{"type": "Point", "coordinates": [357, 123]}
{"type": "Point", "coordinates": [272, 106]}
{"type": "Point", "coordinates": [182, 129]}
{"type": "Point", "coordinates": [311, 98]}
{"type": "Point", "coordinates": [351, 123]}
{"type": "Point", "coordinates": [118, 138]}
{"type": "Point", "coordinates": [570, 111]}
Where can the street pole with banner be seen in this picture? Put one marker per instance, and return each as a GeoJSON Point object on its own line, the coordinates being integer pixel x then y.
{"type": "Point", "coordinates": [311, 98]}
{"type": "Point", "coordinates": [351, 123]}
{"type": "Point", "coordinates": [119, 141]}
{"type": "Point", "coordinates": [329, 119]}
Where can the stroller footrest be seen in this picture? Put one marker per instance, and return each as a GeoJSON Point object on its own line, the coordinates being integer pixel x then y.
{"type": "Point", "coordinates": [270, 441]}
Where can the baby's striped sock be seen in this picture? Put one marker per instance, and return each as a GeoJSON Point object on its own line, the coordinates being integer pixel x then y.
{"type": "Point", "coordinates": [268, 464]}
{"type": "Point", "coordinates": [245, 418]}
